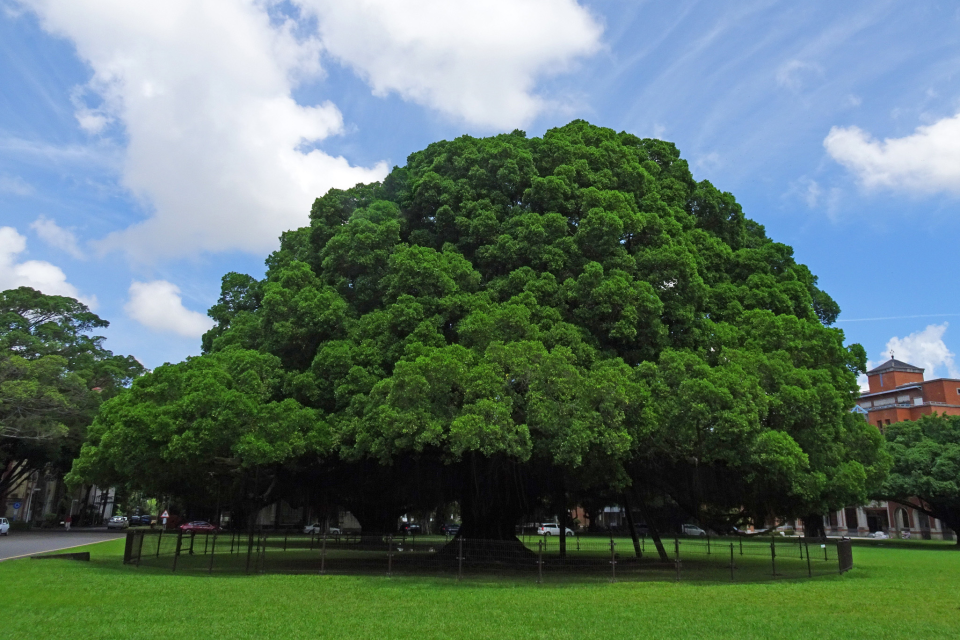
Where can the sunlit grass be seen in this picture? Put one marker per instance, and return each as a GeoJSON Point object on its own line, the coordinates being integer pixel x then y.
{"type": "Point", "coordinates": [892, 592]}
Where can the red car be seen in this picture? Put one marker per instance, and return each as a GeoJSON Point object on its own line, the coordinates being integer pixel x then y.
{"type": "Point", "coordinates": [198, 526]}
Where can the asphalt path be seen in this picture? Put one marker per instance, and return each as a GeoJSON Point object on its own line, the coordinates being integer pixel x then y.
{"type": "Point", "coordinates": [26, 543]}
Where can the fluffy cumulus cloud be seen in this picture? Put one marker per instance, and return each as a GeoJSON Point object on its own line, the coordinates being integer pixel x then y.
{"type": "Point", "coordinates": [158, 306]}
{"type": "Point", "coordinates": [476, 60]}
{"type": "Point", "coordinates": [56, 236]}
{"type": "Point", "coordinates": [37, 274]}
{"type": "Point", "coordinates": [926, 161]}
{"type": "Point", "coordinates": [925, 349]}
{"type": "Point", "coordinates": [219, 151]}
{"type": "Point", "coordinates": [201, 90]}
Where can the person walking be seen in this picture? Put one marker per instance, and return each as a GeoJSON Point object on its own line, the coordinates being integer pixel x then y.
{"type": "Point", "coordinates": [67, 521]}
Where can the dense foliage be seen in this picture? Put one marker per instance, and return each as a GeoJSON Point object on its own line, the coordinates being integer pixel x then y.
{"type": "Point", "coordinates": [53, 377]}
{"type": "Point", "coordinates": [926, 467]}
{"type": "Point", "coordinates": [511, 322]}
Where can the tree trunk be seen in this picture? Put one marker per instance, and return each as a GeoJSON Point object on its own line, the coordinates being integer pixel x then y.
{"type": "Point", "coordinates": [813, 526]}
{"type": "Point", "coordinates": [654, 534]}
{"type": "Point", "coordinates": [633, 528]}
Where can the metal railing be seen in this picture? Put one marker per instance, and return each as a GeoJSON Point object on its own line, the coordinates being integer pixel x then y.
{"type": "Point", "coordinates": [540, 559]}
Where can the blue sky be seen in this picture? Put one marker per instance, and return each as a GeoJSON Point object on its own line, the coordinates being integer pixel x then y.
{"type": "Point", "coordinates": [147, 148]}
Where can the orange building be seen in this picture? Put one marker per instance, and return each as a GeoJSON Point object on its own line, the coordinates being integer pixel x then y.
{"type": "Point", "coordinates": [899, 392]}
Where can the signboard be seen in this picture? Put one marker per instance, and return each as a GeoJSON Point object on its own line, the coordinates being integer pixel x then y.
{"type": "Point", "coordinates": [16, 505]}
{"type": "Point", "coordinates": [165, 514]}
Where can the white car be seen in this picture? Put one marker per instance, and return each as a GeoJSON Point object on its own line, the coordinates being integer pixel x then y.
{"type": "Point", "coordinates": [317, 528]}
{"type": "Point", "coordinates": [692, 530]}
{"type": "Point", "coordinates": [879, 535]}
{"type": "Point", "coordinates": [4, 527]}
{"type": "Point", "coordinates": [551, 529]}
{"type": "Point", "coordinates": [117, 522]}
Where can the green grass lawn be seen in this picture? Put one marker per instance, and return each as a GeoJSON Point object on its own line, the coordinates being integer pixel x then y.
{"type": "Point", "coordinates": [906, 590]}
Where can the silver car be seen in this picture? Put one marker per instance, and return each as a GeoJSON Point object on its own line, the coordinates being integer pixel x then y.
{"type": "Point", "coordinates": [117, 522]}
{"type": "Point", "coordinates": [4, 527]}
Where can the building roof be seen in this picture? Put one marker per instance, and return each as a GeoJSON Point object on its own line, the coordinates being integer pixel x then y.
{"type": "Point", "coordinates": [895, 365]}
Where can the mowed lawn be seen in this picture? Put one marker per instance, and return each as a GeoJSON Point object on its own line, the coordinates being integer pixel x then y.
{"type": "Point", "coordinates": [893, 592]}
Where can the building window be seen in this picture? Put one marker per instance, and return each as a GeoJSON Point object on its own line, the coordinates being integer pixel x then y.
{"type": "Point", "coordinates": [888, 420]}
{"type": "Point", "coordinates": [880, 424]}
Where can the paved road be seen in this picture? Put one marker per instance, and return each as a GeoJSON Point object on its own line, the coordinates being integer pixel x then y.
{"type": "Point", "coordinates": [24, 543]}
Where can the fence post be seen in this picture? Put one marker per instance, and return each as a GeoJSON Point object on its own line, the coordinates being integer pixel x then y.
{"type": "Point", "coordinates": [809, 568]}
{"type": "Point", "coordinates": [824, 552]}
{"type": "Point", "coordinates": [389, 555]}
{"type": "Point", "coordinates": [540, 562]}
{"type": "Point", "coordinates": [773, 554]}
{"type": "Point", "coordinates": [741, 545]}
{"type": "Point", "coordinates": [140, 549]}
{"type": "Point", "coordinates": [800, 544]}
{"type": "Point", "coordinates": [213, 552]}
{"type": "Point", "coordinates": [731, 563]}
{"type": "Point", "coordinates": [578, 543]}
{"type": "Point", "coordinates": [193, 535]}
{"type": "Point", "coordinates": [249, 549]}
{"type": "Point", "coordinates": [323, 554]}
{"type": "Point", "coordinates": [676, 550]}
{"type": "Point", "coordinates": [206, 540]}
{"type": "Point", "coordinates": [708, 544]}
{"type": "Point", "coordinates": [176, 553]}
{"type": "Point", "coordinates": [284, 539]}
{"type": "Point", "coordinates": [263, 551]}
{"type": "Point", "coordinates": [613, 559]}
{"type": "Point", "coordinates": [460, 559]}
{"type": "Point", "coordinates": [159, 540]}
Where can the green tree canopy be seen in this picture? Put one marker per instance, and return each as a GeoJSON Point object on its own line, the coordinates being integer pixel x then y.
{"type": "Point", "coordinates": [53, 377]}
{"type": "Point", "coordinates": [926, 467]}
{"type": "Point", "coordinates": [557, 315]}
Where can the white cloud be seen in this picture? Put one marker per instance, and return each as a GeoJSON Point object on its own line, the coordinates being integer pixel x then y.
{"type": "Point", "coordinates": [794, 74]}
{"type": "Point", "coordinates": [158, 305]}
{"type": "Point", "coordinates": [36, 274]}
{"type": "Point", "coordinates": [477, 60]}
{"type": "Point", "coordinates": [56, 236]}
{"type": "Point", "coordinates": [15, 185]}
{"type": "Point", "coordinates": [925, 349]}
{"type": "Point", "coordinates": [202, 89]}
{"type": "Point", "coordinates": [217, 148]}
{"type": "Point", "coordinates": [927, 161]}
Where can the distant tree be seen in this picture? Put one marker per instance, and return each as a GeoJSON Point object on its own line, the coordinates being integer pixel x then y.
{"type": "Point", "coordinates": [53, 377]}
{"type": "Point", "coordinates": [926, 467]}
{"type": "Point", "coordinates": [517, 323]}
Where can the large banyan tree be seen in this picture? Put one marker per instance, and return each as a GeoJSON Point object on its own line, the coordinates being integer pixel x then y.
{"type": "Point", "coordinates": [513, 323]}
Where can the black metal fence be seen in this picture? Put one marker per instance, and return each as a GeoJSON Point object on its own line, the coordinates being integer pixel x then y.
{"type": "Point", "coordinates": [539, 559]}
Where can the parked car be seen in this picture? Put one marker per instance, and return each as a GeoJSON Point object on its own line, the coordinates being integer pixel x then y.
{"type": "Point", "coordinates": [552, 529]}
{"type": "Point", "coordinates": [317, 528]}
{"type": "Point", "coordinates": [692, 530]}
{"type": "Point", "coordinates": [450, 529]}
{"type": "Point", "coordinates": [146, 519]}
{"type": "Point", "coordinates": [198, 526]}
{"type": "Point", "coordinates": [879, 535]}
{"type": "Point", "coordinates": [4, 527]}
{"type": "Point", "coordinates": [118, 522]}
{"type": "Point", "coordinates": [410, 529]}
